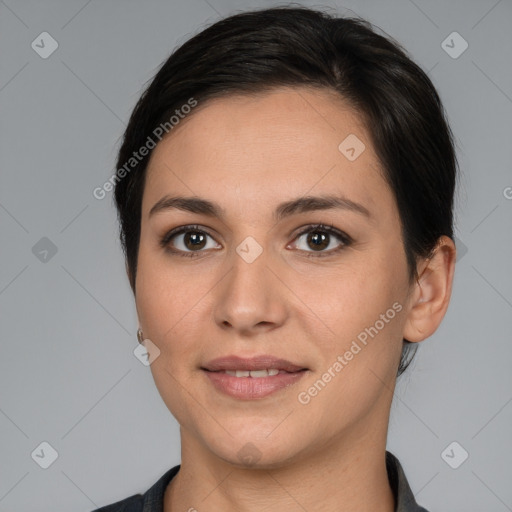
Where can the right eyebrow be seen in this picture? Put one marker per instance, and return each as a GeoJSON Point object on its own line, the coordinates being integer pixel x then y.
{"type": "Point", "coordinates": [188, 204]}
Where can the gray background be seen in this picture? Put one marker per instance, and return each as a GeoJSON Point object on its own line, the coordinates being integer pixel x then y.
{"type": "Point", "coordinates": [68, 375]}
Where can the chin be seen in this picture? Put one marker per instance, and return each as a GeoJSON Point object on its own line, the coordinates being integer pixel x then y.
{"type": "Point", "coordinates": [258, 451]}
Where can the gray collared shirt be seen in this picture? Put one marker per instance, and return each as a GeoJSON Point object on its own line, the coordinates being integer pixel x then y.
{"type": "Point", "coordinates": [153, 499]}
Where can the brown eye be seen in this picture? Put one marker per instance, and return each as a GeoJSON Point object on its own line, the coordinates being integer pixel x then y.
{"type": "Point", "coordinates": [194, 240]}
{"type": "Point", "coordinates": [187, 241]}
{"type": "Point", "coordinates": [320, 238]}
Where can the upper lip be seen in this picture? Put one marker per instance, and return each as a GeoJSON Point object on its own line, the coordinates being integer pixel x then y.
{"type": "Point", "coordinates": [260, 362]}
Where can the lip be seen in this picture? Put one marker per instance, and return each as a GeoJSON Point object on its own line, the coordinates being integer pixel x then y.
{"type": "Point", "coordinates": [252, 388]}
{"type": "Point", "coordinates": [260, 362]}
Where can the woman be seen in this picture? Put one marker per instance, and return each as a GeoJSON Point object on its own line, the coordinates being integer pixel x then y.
{"type": "Point", "coordinates": [285, 192]}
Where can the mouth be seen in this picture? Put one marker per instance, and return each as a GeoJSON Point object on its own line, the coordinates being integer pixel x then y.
{"type": "Point", "coordinates": [252, 378]}
{"type": "Point", "coordinates": [257, 366]}
{"type": "Point", "coordinates": [255, 374]}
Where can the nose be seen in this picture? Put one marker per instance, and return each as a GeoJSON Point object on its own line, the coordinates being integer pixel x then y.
{"type": "Point", "coordinates": [252, 297]}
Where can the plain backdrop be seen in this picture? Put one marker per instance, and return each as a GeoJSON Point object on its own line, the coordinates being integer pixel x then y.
{"type": "Point", "coordinates": [68, 374]}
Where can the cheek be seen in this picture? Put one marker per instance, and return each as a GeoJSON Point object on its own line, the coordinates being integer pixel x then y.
{"type": "Point", "coordinates": [174, 305]}
{"type": "Point", "coordinates": [348, 298]}
{"type": "Point", "coordinates": [164, 291]}
{"type": "Point", "coordinates": [170, 310]}
{"type": "Point", "coordinates": [360, 349]}
{"type": "Point", "coordinates": [355, 311]}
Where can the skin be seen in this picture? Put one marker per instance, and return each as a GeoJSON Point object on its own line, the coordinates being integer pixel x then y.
{"type": "Point", "coordinates": [249, 154]}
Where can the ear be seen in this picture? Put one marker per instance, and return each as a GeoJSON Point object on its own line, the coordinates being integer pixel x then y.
{"type": "Point", "coordinates": [432, 291]}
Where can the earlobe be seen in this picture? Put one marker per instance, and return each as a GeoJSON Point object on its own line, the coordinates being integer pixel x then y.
{"type": "Point", "coordinates": [432, 292]}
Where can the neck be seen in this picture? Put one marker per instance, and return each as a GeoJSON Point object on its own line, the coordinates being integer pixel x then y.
{"type": "Point", "coordinates": [340, 476]}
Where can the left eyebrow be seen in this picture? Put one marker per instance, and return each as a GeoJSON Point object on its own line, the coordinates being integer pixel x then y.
{"type": "Point", "coordinates": [300, 205]}
{"type": "Point", "coordinates": [325, 202]}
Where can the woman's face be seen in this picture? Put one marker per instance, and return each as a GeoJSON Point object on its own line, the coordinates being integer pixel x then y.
{"type": "Point", "coordinates": [255, 280]}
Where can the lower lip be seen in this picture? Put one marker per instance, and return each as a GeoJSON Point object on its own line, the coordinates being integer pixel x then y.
{"type": "Point", "coordinates": [251, 388]}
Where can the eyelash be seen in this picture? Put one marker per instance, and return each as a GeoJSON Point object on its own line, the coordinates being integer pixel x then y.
{"type": "Point", "coordinates": [343, 237]}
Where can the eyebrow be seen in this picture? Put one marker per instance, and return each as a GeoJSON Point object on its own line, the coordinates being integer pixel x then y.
{"type": "Point", "coordinates": [305, 204]}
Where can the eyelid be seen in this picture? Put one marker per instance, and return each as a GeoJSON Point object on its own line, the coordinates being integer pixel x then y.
{"type": "Point", "coordinates": [164, 241]}
{"type": "Point", "coordinates": [329, 228]}
{"type": "Point", "coordinates": [345, 239]}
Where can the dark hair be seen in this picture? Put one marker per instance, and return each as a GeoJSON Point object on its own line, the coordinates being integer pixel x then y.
{"type": "Point", "coordinates": [253, 52]}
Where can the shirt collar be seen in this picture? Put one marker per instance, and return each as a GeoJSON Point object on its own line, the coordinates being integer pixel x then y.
{"type": "Point", "coordinates": [153, 499]}
{"type": "Point", "coordinates": [404, 498]}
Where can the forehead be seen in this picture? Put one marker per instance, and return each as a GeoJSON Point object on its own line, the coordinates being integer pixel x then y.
{"type": "Point", "coordinates": [266, 148]}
